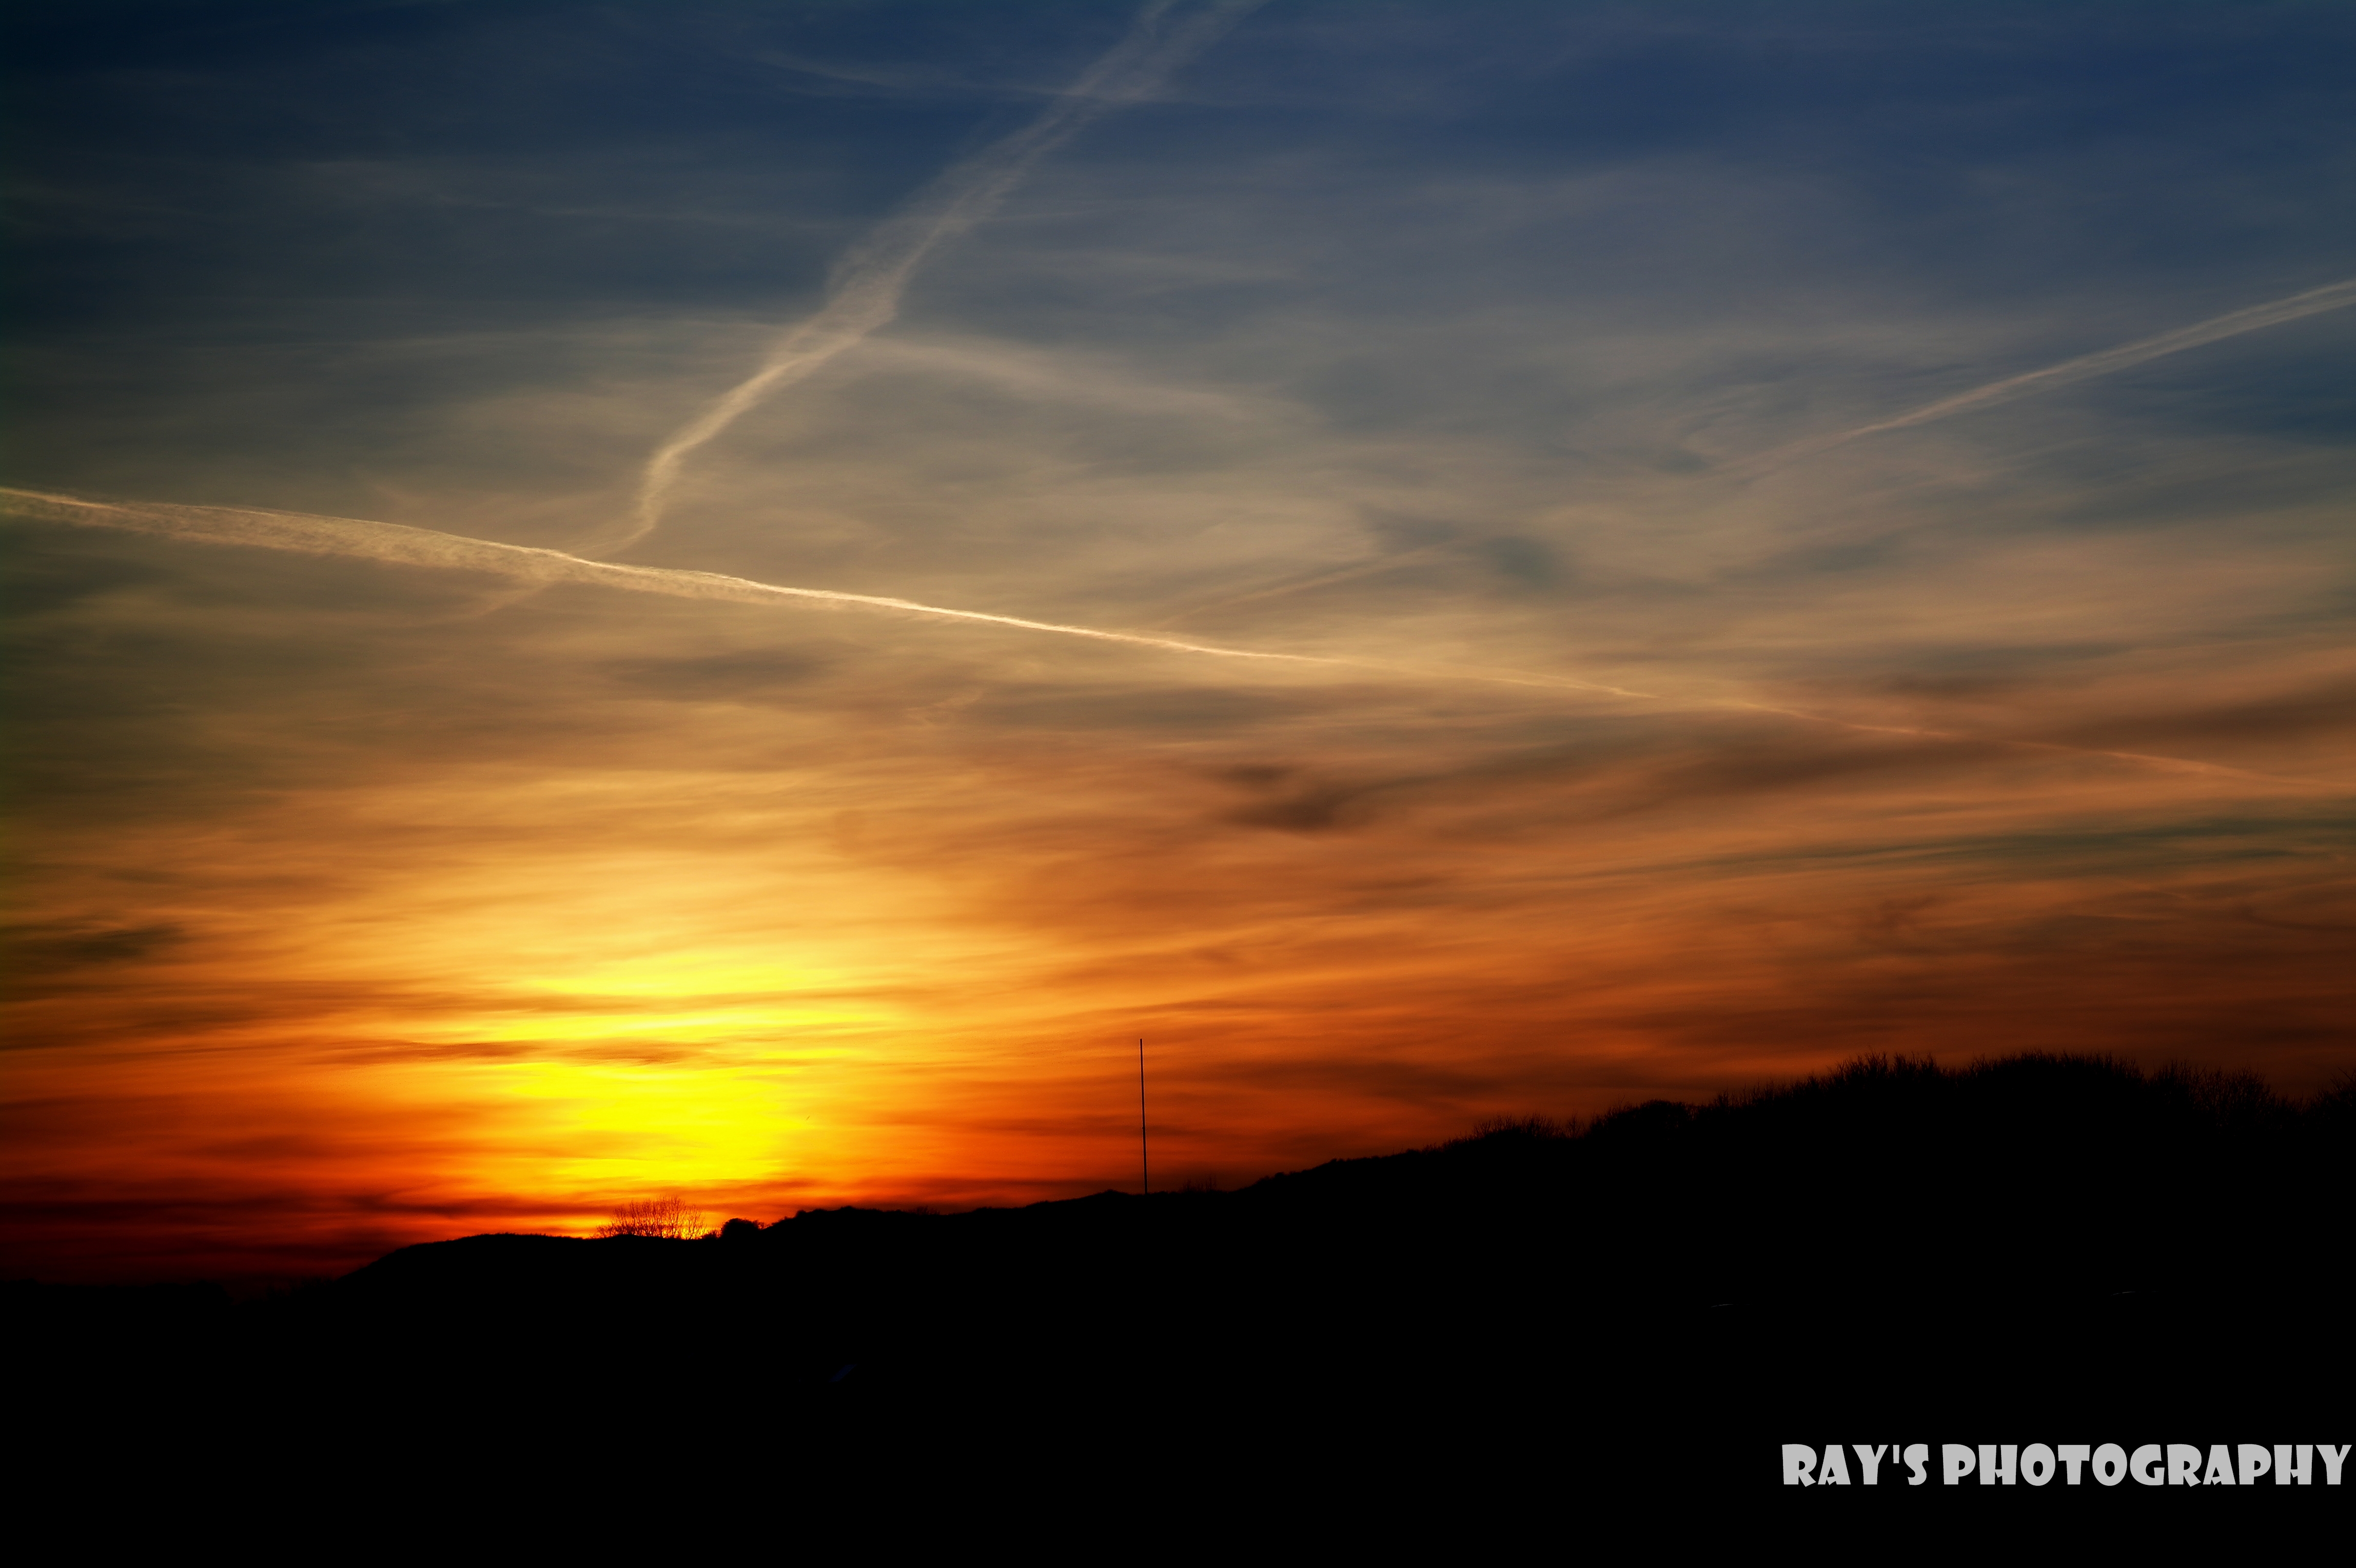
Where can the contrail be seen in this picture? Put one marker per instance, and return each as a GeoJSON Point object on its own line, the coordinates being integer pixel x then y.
{"type": "Point", "coordinates": [2331, 296]}
{"type": "Point", "coordinates": [310, 534]}
{"type": "Point", "coordinates": [307, 533]}
{"type": "Point", "coordinates": [865, 292]}
{"type": "Point", "coordinates": [1302, 586]}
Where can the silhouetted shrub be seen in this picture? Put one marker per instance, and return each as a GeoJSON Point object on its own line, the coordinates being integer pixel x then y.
{"type": "Point", "coordinates": [668, 1218]}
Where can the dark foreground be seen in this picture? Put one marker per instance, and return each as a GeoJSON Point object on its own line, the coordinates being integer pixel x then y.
{"type": "Point", "coordinates": [1617, 1328]}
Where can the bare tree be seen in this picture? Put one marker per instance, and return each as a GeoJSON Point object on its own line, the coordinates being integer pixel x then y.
{"type": "Point", "coordinates": [666, 1217]}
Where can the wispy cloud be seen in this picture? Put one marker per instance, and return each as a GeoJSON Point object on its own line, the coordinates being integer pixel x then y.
{"type": "Point", "coordinates": [398, 544]}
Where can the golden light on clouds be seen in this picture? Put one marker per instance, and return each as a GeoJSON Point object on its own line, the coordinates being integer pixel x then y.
{"type": "Point", "coordinates": [1420, 605]}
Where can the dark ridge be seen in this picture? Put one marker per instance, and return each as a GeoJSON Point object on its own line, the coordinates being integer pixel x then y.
{"type": "Point", "coordinates": [2034, 1249]}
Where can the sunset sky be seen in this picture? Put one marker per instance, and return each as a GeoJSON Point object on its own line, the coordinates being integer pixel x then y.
{"type": "Point", "coordinates": [1710, 647]}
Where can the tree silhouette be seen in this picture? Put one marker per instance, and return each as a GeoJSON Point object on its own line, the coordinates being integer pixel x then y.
{"type": "Point", "coordinates": [669, 1218]}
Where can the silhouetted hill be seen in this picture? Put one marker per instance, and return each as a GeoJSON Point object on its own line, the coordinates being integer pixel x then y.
{"type": "Point", "coordinates": [2037, 1249]}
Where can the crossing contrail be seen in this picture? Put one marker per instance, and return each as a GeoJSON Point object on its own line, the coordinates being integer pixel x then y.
{"type": "Point", "coordinates": [308, 533]}
{"type": "Point", "coordinates": [1304, 584]}
{"type": "Point", "coordinates": [2331, 296]}
{"type": "Point", "coordinates": [867, 286]}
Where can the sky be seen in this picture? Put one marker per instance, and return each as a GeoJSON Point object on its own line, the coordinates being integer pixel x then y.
{"type": "Point", "coordinates": [736, 600]}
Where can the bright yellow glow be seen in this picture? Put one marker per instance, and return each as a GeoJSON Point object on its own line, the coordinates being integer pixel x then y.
{"type": "Point", "coordinates": [657, 1128]}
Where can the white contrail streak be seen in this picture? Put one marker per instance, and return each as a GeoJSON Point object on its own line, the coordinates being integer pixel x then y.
{"type": "Point", "coordinates": [2331, 296]}
{"type": "Point", "coordinates": [866, 289]}
{"type": "Point", "coordinates": [1301, 585]}
{"type": "Point", "coordinates": [305, 534]}
{"type": "Point", "coordinates": [309, 534]}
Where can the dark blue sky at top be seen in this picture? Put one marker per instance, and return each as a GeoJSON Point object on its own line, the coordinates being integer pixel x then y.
{"type": "Point", "coordinates": [211, 192]}
{"type": "Point", "coordinates": [159, 139]}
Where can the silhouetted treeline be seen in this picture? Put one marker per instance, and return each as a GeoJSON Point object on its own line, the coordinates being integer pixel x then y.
{"type": "Point", "coordinates": [1891, 1251]}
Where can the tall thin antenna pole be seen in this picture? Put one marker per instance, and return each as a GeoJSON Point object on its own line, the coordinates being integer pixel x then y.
{"type": "Point", "coordinates": [1144, 1153]}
